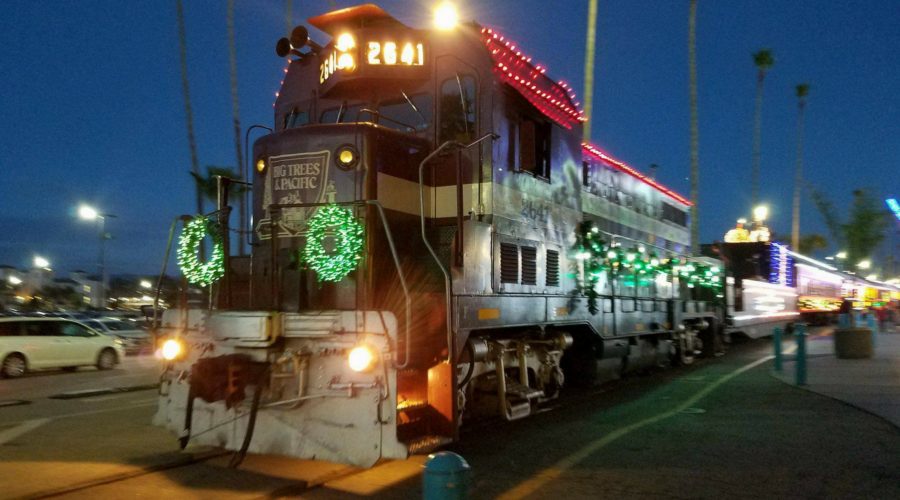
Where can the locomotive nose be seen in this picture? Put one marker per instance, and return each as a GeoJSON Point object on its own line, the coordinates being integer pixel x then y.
{"type": "Point", "coordinates": [330, 163]}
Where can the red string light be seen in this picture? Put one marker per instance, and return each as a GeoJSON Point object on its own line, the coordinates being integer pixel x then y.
{"type": "Point", "coordinates": [556, 100]}
{"type": "Point", "coordinates": [281, 85]}
{"type": "Point", "coordinates": [596, 153]}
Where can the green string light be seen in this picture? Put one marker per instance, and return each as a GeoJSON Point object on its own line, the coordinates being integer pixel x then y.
{"type": "Point", "coordinates": [636, 265]}
{"type": "Point", "coordinates": [195, 271]}
{"type": "Point", "coordinates": [339, 222]}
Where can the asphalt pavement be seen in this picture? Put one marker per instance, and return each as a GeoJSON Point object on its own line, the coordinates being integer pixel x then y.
{"type": "Point", "coordinates": [724, 427]}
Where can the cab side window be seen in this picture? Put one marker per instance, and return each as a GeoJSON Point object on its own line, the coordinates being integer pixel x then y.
{"type": "Point", "coordinates": [457, 101]}
{"type": "Point", "coordinates": [534, 147]}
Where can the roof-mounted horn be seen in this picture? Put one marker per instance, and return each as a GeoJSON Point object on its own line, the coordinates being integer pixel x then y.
{"type": "Point", "coordinates": [299, 39]}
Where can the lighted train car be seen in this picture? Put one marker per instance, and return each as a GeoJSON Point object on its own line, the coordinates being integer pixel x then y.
{"type": "Point", "coordinates": [820, 288]}
{"type": "Point", "coordinates": [760, 288]}
{"type": "Point", "coordinates": [431, 240]}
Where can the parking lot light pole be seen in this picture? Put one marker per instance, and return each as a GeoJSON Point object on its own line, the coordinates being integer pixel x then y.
{"type": "Point", "coordinates": [86, 212]}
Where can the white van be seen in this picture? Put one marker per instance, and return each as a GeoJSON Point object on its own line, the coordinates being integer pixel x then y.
{"type": "Point", "coordinates": [36, 343]}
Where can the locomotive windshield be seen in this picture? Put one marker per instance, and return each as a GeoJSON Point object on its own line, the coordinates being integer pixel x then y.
{"type": "Point", "coordinates": [406, 113]}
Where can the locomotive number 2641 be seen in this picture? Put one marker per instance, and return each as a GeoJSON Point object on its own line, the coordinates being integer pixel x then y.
{"type": "Point", "coordinates": [394, 54]}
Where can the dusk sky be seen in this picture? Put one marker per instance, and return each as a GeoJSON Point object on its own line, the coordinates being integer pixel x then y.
{"type": "Point", "coordinates": [92, 109]}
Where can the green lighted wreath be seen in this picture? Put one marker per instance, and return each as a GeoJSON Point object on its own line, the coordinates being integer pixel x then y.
{"type": "Point", "coordinates": [349, 235]}
{"type": "Point", "coordinates": [195, 271]}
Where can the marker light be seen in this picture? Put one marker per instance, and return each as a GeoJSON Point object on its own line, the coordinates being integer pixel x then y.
{"type": "Point", "coordinates": [445, 16]}
{"type": "Point", "coordinates": [171, 349]}
{"type": "Point", "coordinates": [346, 157]}
{"type": "Point", "coordinates": [345, 61]}
{"type": "Point", "coordinates": [260, 165]}
{"type": "Point", "coordinates": [345, 42]}
{"type": "Point", "coordinates": [361, 358]}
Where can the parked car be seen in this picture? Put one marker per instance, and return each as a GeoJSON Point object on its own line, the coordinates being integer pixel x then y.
{"type": "Point", "coordinates": [33, 343]}
{"type": "Point", "coordinates": [135, 339]}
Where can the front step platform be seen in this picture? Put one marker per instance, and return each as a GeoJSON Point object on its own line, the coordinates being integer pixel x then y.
{"type": "Point", "coordinates": [515, 390]}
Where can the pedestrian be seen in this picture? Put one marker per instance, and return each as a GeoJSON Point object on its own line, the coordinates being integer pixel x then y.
{"type": "Point", "coordinates": [845, 314]}
{"type": "Point", "coordinates": [882, 315]}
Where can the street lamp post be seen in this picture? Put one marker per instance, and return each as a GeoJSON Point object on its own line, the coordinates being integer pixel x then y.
{"type": "Point", "coordinates": [86, 212]}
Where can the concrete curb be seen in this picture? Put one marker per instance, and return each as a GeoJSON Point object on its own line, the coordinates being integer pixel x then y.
{"type": "Point", "coordinates": [781, 378]}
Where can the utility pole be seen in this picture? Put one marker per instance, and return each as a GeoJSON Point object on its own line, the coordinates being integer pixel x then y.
{"type": "Point", "coordinates": [589, 50]}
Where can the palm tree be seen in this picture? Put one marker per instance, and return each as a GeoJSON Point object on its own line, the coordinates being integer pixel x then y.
{"type": "Point", "coordinates": [589, 48]}
{"type": "Point", "coordinates": [802, 90]}
{"type": "Point", "coordinates": [861, 230]}
{"type": "Point", "coordinates": [192, 143]}
{"type": "Point", "coordinates": [695, 133]}
{"type": "Point", "coordinates": [763, 61]}
{"type": "Point", "coordinates": [288, 16]}
{"type": "Point", "coordinates": [236, 119]}
{"type": "Point", "coordinates": [809, 243]}
{"type": "Point", "coordinates": [208, 185]}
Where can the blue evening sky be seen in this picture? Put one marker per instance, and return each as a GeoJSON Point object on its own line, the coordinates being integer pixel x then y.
{"type": "Point", "coordinates": [92, 108]}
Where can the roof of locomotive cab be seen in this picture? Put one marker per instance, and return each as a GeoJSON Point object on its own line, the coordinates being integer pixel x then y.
{"type": "Point", "coordinates": [358, 16]}
{"type": "Point", "coordinates": [555, 100]}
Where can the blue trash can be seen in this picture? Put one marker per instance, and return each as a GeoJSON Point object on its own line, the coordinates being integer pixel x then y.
{"type": "Point", "coordinates": [446, 476]}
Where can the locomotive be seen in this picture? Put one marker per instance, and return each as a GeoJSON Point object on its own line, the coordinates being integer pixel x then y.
{"type": "Point", "coordinates": [431, 241]}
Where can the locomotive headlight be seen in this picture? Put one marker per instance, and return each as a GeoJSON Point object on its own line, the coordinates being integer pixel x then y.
{"type": "Point", "coordinates": [446, 16]}
{"type": "Point", "coordinates": [362, 358]}
{"type": "Point", "coordinates": [345, 61]}
{"type": "Point", "coordinates": [260, 165]}
{"type": "Point", "coordinates": [172, 349]}
{"type": "Point", "coordinates": [345, 42]}
{"type": "Point", "coordinates": [346, 157]}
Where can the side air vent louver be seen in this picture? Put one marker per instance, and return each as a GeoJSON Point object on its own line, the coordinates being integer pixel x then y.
{"type": "Point", "coordinates": [509, 263]}
{"type": "Point", "coordinates": [552, 268]}
{"type": "Point", "coordinates": [529, 266]}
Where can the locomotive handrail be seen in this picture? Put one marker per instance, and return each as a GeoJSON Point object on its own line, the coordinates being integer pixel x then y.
{"type": "Point", "coordinates": [276, 209]}
{"type": "Point", "coordinates": [447, 284]}
{"type": "Point", "coordinates": [390, 239]}
{"type": "Point", "coordinates": [379, 116]}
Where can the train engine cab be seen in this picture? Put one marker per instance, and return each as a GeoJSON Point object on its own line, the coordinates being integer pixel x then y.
{"type": "Point", "coordinates": [413, 215]}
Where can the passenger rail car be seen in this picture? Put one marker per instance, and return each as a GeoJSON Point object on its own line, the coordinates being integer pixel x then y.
{"type": "Point", "coordinates": [413, 257]}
